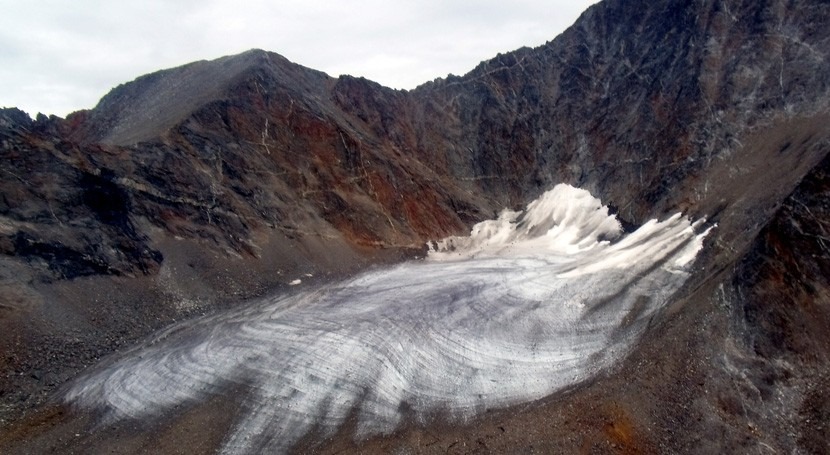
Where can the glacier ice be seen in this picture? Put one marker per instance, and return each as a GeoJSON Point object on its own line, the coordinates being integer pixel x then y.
{"type": "Point", "coordinates": [528, 304]}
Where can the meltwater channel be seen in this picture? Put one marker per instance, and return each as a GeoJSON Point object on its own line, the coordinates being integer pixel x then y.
{"type": "Point", "coordinates": [526, 305]}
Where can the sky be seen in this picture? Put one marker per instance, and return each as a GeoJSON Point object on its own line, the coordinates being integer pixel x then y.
{"type": "Point", "coordinates": [59, 56]}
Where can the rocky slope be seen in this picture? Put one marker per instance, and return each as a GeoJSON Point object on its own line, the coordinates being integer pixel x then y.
{"type": "Point", "coordinates": [191, 189]}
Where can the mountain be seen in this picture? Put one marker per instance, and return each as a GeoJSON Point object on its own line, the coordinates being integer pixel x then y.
{"type": "Point", "coordinates": [189, 190]}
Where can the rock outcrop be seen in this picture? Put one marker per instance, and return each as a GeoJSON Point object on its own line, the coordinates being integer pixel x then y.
{"type": "Point", "coordinates": [191, 189]}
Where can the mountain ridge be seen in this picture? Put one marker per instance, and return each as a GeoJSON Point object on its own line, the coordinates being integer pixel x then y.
{"type": "Point", "coordinates": [717, 109]}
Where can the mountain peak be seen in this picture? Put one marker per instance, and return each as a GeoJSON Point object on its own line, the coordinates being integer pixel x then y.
{"type": "Point", "coordinates": [151, 104]}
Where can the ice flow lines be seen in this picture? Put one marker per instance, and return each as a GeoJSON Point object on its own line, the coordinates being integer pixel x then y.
{"type": "Point", "coordinates": [529, 303]}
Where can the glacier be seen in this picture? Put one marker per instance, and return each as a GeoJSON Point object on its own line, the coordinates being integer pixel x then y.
{"type": "Point", "coordinates": [526, 305]}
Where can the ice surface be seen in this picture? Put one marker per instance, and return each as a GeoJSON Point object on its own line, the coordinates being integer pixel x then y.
{"type": "Point", "coordinates": [526, 305]}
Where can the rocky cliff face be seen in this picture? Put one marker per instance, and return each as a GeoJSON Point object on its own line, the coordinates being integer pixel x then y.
{"type": "Point", "coordinates": [193, 188]}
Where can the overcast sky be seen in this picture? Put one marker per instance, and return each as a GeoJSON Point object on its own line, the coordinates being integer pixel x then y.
{"type": "Point", "coordinates": [59, 56]}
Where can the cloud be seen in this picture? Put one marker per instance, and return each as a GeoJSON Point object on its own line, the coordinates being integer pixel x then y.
{"type": "Point", "coordinates": [57, 56]}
